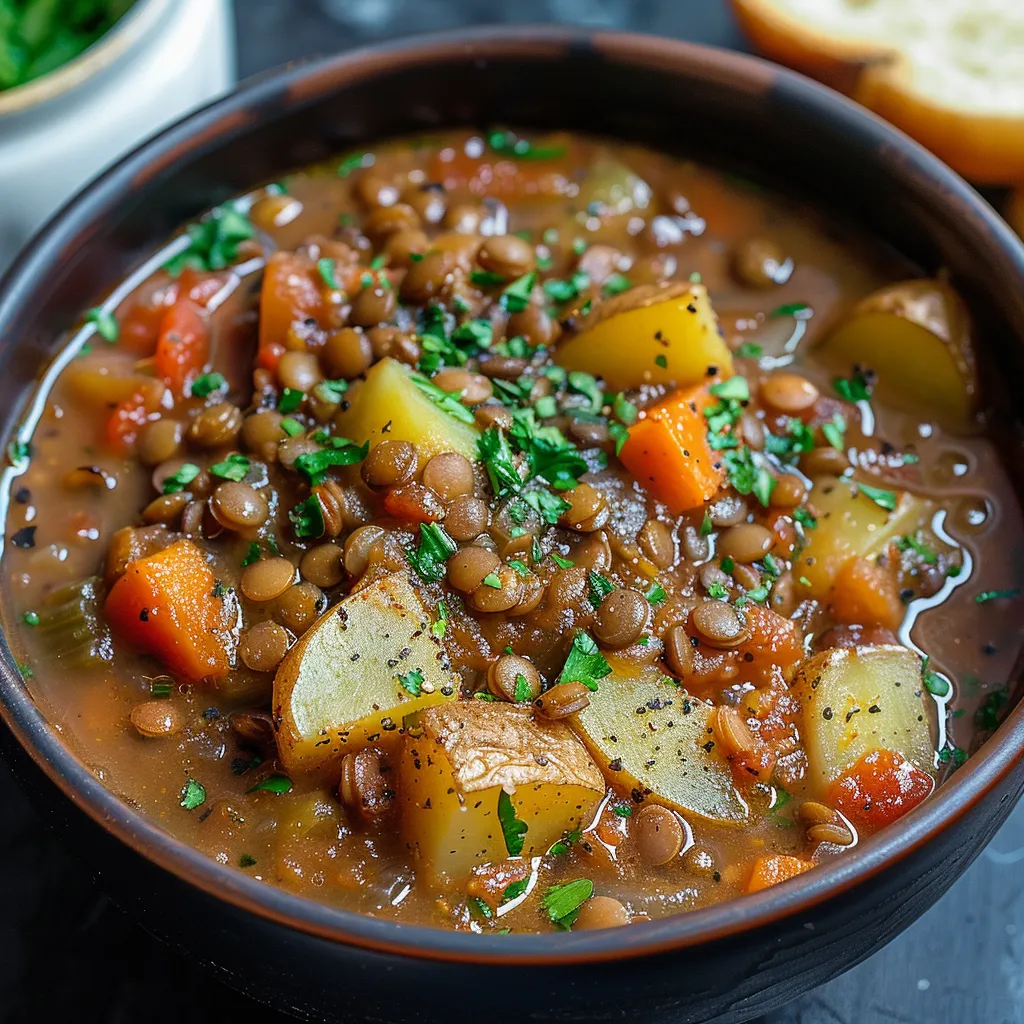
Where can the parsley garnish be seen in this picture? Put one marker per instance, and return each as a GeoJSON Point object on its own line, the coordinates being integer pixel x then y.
{"type": "Point", "coordinates": [586, 384]}
{"type": "Point", "coordinates": [106, 323]}
{"type": "Point", "coordinates": [585, 664]}
{"type": "Point", "coordinates": [234, 467]}
{"type": "Point", "coordinates": [253, 554]}
{"type": "Point", "coordinates": [181, 479]}
{"type": "Point", "coordinates": [662, 361]}
{"type": "Point", "coordinates": [30, 618]}
{"type": "Point", "coordinates": [273, 784]}
{"type": "Point", "coordinates": [492, 580]}
{"type": "Point", "coordinates": [748, 350]}
{"type": "Point", "coordinates": [619, 434]}
{"type": "Point", "coordinates": [566, 843]}
{"type": "Point", "coordinates": [804, 518]}
{"type": "Point", "coordinates": [207, 384]}
{"type": "Point", "coordinates": [247, 860]}
{"type": "Point", "coordinates": [989, 712]}
{"type": "Point", "coordinates": [562, 563]}
{"type": "Point", "coordinates": [791, 309]}
{"type": "Point", "coordinates": [435, 548]}
{"type": "Point", "coordinates": [510, 145]}
{"type": "Point", "coordinates": [193, 795]}
{"type": "Point", "coordinates": [514, 890]}
{"type": "Point", "coordinates": [486, 278]}
{"type": "Point", "coordinates": [935, 684]}
{"type": "Point", "coordinates": [835, 431]}
{"type": "Point", "coordinates": [718, 591]}
{"type": "Point", "coordinates": [325, 267]}
{"type": "Point", "coordinates": [616, 284]}
{"type": "Point", "coordinates": [352, 163]}
{"type": "Point", "coordinates": [213, 242]}
{"type": "Point", "coordinates": [445, 401]}
{"type": "Point", "coordinates": [439, 628]}
{"type": "Point", "coordinates": [747, 476]}
{"type": "Point", "coordinates": [412, 682]}
{"type": "Point", "coordinates": [622, 811]}
{"type": "Point", "coordinates": [290, 400]}
{"type": "Point", "coordinates": [706, 526]}
{"type": "Point", "coordinates": [656, 593]}
{"type": "Point", "coordinates": [599, 588]}
{"type": "Point", "coordinates": [996, 595]}
{"type": "Point", "coordinates": [516, 297]}
{"type": "Point", "coordinates": [496, 455]}
{"type": "Point", "coordinates": [735, 389]}
{"type": "Point", "coordinates": [342, 452]}
{"type": "Point", "coordinates": [291, 427]}
{"type": "Point", "coordinates": [563, 902]}
{"type": "Point", "coordinates": [308, 518]}
{"type": "Point", "coordinates": [882, 498]}
{"type": "Point", "coordinates": [857, 388]}
{"type": "Point", "coordinates": [512, 827]}
{"type": "Point", "coordinates": [522, 691]}
{"type": "Point", "coordinates": [911, 543]}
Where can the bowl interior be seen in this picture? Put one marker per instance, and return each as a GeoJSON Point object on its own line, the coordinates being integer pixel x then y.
{"type": "Point", "coordinates": [733, 111]}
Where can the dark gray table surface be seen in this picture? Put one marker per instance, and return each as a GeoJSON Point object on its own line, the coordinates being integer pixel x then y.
{"type": "Point", "coordinates": [66, 953]}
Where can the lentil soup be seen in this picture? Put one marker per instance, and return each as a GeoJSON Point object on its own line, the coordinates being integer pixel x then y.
{"type": "Point", "coordinates": [516, 532]}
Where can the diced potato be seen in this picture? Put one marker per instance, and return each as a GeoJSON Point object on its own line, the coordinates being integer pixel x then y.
{"type": "Point", "coordinates": [650, 737]}
{"type": "Point", "coordinates": [613, 189]}
{"type": "Point", "coordinates": [859, 699]}
{"type": "Point", "coordinates": [650, 335]}
{"type": "Point", "coordinates": [389, 407]}
{"type": "Point", "coordinates": [916, 336]}
{"type": "Point", "coordinates": [458, 760]}
{"type": "Point", "coordinates": [99, 389]}
{"type": "Point", "coordinates": [339, 687]}
{"type": "Point", "coordinates": [851, 525]}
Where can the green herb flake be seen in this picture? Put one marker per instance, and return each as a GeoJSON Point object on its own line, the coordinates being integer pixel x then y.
{"type": "Point", "coordinates": [479, 908]}
{"type": "Point", "coordinates": [445, 401]}
{"type": "Point", "coordinates": [234, 467]}
{"type": "Point", "coordinates": [562, 902]}
{"type": "Point", "coordinates": [342, 452]}
{"type": "Point", "coordinates": [748, 350]}
{"type": "Point", "coordinates": [522, 692]}
{"type": "Point", "coordinates": [599, 588]}
{"type": "Point", "coordinates": [412, 682]}
{"type": "Point", "coordinates": [585, 664]}
{"type": "Point", "coordinates": [718, 591]}
{"type": "Point", "coordinates": [990, 712]}
{"type": "Point", "coordinates": [246, 861]}
{"type": "Point", "coordinates": [619, 434]}
{"type": "Point", "coordinates": [514, 890]}
{"type": "Point", "coordinates": [290, 400]}
{"type": "Point", "coordinates": [207, 384]}
{"type": "Point", "coordinates": [662, 361]}
{"type": "Point", "coordinates": [193, 795]}
{"type": "Point", "coordinates": [510, 145]}
{"type": "Point", "coordinates": [803, 516]}
{"type": "Point", "coordinates": [562, 563]}
{"type": "Point", "coordinates": [798, 309]}
{"type": "Point", "coordinates": [252, 554]}
{"type": "Point", "coordinates": [882, 498]}
{"type": "Point", "coordinates": [935, 684]}
{"type": "Point", "coordinates": [856, 388]}
{"type": "Point", "coordinates": [326, 268]}
{"type": "Point", "coordinates": [996, 595]}
{"type": "Point", "coordinates": [496, 455]}
{"type": "Point", "coordinates": [492, 580]}
{"type": "Point", "coordinates": [292, 427]}
{"type": "Point", "coordinates": [834, 432]}
{"type": "Point", "coordinates": [308, 518]}
{"type": "Point", "coordinates": [513, 828]}
{"type": "Point", "coordinates": [566, 843]}
{"type": "Point", "coordinates": [516, 297]}
{"type": "Point", "coordinates": [486, 279]}
{"type": "Point", "coordinates": [30, 618]}
{"type": "Point", "coordinates": [435, 548]}
{"type": "Point", "coordinates": [656, 593]}
{"type": "Point", "coordinates": [353, 162]}
{"type": "Point", "coordinates": [105, 322]}
{"type": "Point", "coordinates": [616, 284]}
{"type": "Point", "coordinates": [519, 566]}
{"type": "Point", "coordinates": [622, 811]}
{"type": "Point", "coordinates": [735, 388]}
{"type": "Point", "coordinates": [278, 784]}
{"type": "Point", "coordinates": [213, 242]}
{"type": "Point", "coordinates": [913, 543]}
{"type": "Point", "coordinates": [706, 526]}
{"type": "Point", "coordinates": [181, 479]}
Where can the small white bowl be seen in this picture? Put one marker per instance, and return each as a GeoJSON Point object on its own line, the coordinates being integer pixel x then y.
{"type": "Point", "coordinates": [163, 58]}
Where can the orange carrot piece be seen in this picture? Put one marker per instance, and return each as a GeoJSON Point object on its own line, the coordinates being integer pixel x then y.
{"type": "Point", "coordinates": [769, 871]}
{"type": "Point", "coordinates": [129, 416]}
{"type": "Point", "coordinates": [881, 787]}
{"type": "Point", "coordinates": [668, 451]}
{"type": "Point", "coordinates": [183, 346]}
{"type": "Point", "coordinates": [164, 604]}
{"type": "Point", "coordinates": [865, 594]}
{"type": "Point", "coordinates": [291, 291]}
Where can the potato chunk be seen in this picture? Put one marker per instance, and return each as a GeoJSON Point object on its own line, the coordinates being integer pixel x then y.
{"type": "Point", "coordinates": [650, 335]}
{"type": "Point", "coordinates": [859, 699]}
{"type": "Point", "coordinates": [457, 762]}
{"type": "Point", "coordinates": [388, 406]}
{"type": "Point", "coordinates": [356, 672]}
{"type": "Point", "coordinates": [851, 525]}
{"type": "Point", "coordinates": [654, 740]}
{"type": "Point", "coordinates": [916, 336]}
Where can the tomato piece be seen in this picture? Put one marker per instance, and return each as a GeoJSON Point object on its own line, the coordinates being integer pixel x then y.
{"type": "Point", "coordinates": [128, 417]}
{"type": "Point", "coordinates": [140, 328]}
{"type": "Point", "coordinates": [291, 291]}
{"type": "Point", "coordinates": [183, 346]}
{"type": "Point", "coordinates": [881, 787]}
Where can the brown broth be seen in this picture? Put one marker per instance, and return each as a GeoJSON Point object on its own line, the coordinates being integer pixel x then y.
{"type": "Point", "coordinates": [304, 840]}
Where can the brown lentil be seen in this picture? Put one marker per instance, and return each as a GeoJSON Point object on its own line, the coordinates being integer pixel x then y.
{"type": "Point", "coordinates": [600, 912]}
{"type": "Point", "coordinates": [389, 464]}
{"type": "Point", "coordinates": [365, 785]}
{"type": "Point", "coordinates": [299, 371]}
{"type": "Point", "coordinates": [511, 673]}
{"type": "Point", "coordinates": [472, 388]}
{"type": "Point", "coordinates": [466, 518]}
{"type": "Point", "coordinates": [266, 579]}
{"type": "Point", "coordinates": [449, 474]}
{"type": "Point", "coordinates": [261, 432]}
{"type": "Point", "coordinates": [322, 565]}
{"type": "Point", "coordinates": [255, 727]}
{"type": "Point", "coordinates": [155, 718]}
{"type": "Point", "coordinates": [467, 567]}
{"type": "Point", "coordinates": [346, 353]}
{"type": "Point", "coordinates": [587, 508]}
{"type": "Point", "coordinates": [216, 426]}
{"type": "Point", "coordinates": [760, 263]}
{"type": "Point", "coordinates": [160, 441]}
{"type": "Point", "coordinates": [678, 651]}
{"type": "Point", "coordinates": [427, 277]}
{"type": "Point", "coordinates": [263, 646]}
{"type": "Point", "coordinates": [830, 832]}
{"type": "Point", "coordinates": [656, 541]}
{"type": "Point", "coordinates": [658, 834]}
{"type": "Point", "coordinates": [384, 221]}
{"type": "Point", "coordinates": [563, 699]}
{"type": "Point", "coordinates": [372, 305]}
{"type": "Point", "coordinates": [299, 607]}
{"type": "Point", "coordinates": [358, 546]}
{"type": "Point", "coordinates": [789, 491]}
{"type": "Point", "coordinates": [720, 624]}
{"type": "Point", "coordinates": [167, 508]}
{"type": "Point", "coordinates": [699, 860]}
{"type": "Point", "coordinates": [746, 542]}
{"type": "Point", "coordinates": [237, 506]}
{"type": "Point", "coordinates": [789, 393]}
{"type": "Point", "coordinates": [506, 255]}
{"type": "Point", "coordinates": [621, 618]}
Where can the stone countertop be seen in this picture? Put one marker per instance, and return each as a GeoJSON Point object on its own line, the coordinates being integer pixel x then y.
{"type": "Point", "coordinates": [68, 953]}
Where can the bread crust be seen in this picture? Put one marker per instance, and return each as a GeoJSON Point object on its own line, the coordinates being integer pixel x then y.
{"type": "Point", "coordinates": [986, 148]}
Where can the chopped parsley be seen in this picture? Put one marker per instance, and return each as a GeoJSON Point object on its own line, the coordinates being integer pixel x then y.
{"type": "Point", "coordinates": [435, 548]}
{"type": "Point", "coordinates": [619, 434]}
{"type": "Point", "coordinates": [331, 391]}
{"type": "Point", "coordinates": [882, 498]}
{"type": "Point", "coordinates": [516, 297]}
{"type": "Point", "coordinates": [511, 145]}
{"type": "Point", "coordinates": [797, 439]}
{"type": "Point", "coordinates": [857, 388]}
{"type": "Point", "coordinates": [910, 542]}
{"type": "Point", "coordinates": [938, 686]}
{"type": "Point", "coordinates": [563, 902]}
{"type": "Point", "coordinates": [989, 713]}
{"type": "Point", "coordinates": [207, 384]}
{"type": "Point", "coordinates": [290, 400]}
{"type": "Point", "coordinates": [105, 322]}
{"type": "Point", "coordinates": [624, 410]}
{"type": "Point", "coordinates": [308, 518]}
{"type": "Point", "coordinates": [341, 452]}
{"type": "Point", "coordinates": [718, 591]}
{"type": "Point", "coordinates": [247, 860]}
{"type": "Point", "coordinates": [486, 278]}
{"type": "Point", "coordinates": [599, 588]}
{"type": "Point", "coordinates": [996, 595]}
{"type": "Point", "coordinates": [735, 389]}
{"type": "Point", "coordinates": [585, 664]}
{"type": "Point", "coordinates": [412, 682]}
{"type": "Point", "coordinates": [706, 526]}
{"type": "Point", "coordinates": [445, 401]}
{"type": "Point", "coordinates": [213, 242]}
{"type": "Point", "coordinates": [496, 455]}
{"type": "Point", "coordinates": [565, 844]}
{"type": "Point", "coordinates": [253, 553]}
{"type": "Point", "coordinates": [193, 795]}
{"type": "Point", "coordinates": [662, 361]}
{"type": "Point", "coordinates": [562, 563]}
{"type": "Point", "coordinates": [748, 476]}
{"type": "Point", "coordinates": [291, 427]}
{"type": "Point", "coordinates": [326, 268]}
{"type": "Point", "coordinates": [656, 593]}
{"type": "Point", "coordinates": [519, 566]}
{"type": "Point", "coordinates": [797, 309]}
{"type": "Point", "coordinates": [622, 811]}
{"type": "Point", "coordinates": [30, 618]}
{"type": "Point", "coordinates": [353, 162]}
{"type": "Point", "coordinates": [160, 687]}
{"type": "Point", "coordinates": [513, 828]}
{"type": "Point", "coordinates": [803, 516]}
{"type": "Point", "coordinates": [586, 384]}
{"type": "Point", "coordinates": [562, 291]}
{"type": "Point", "coordinates": [181, 479]}
{"type": "Point", "coordinates": [440, 627]}
{"type": "Point", "coordinates": [278, 784]}
{"type": "Point", "coordinates": [748, 350]}
{"type": "Point", "coordinates": [835, 432]}
{"type": "Point", "coordinates": [492, 580]}
{"type": "Point", "coordinates": [616, 284]}
{"type": "Point", "coordinates": [514, 890]}
{"type": "Point", "coordinates": [234, 467]}
{"type": "Point", "coordinates": [522, 691]}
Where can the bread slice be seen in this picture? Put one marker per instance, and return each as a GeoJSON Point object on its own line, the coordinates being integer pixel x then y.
{"type": "Point", "coordinates": [948, 72]}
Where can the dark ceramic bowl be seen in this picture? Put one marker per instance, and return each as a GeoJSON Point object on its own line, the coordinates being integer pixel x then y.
{"type": "Point", "coordinates": [728, 962]}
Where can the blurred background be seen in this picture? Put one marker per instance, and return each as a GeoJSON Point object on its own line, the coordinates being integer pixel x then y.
{"type": "Point", "coordinates": [67, 951]}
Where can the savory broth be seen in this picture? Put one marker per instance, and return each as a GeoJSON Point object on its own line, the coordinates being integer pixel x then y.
{"type": "Point", "coordinates": [648, 572]}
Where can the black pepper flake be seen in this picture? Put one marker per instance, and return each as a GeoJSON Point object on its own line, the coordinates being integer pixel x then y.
{"type": "Point", "coordinates": [211, 713]}
{"type": "Point", "coordinates": [906, 595]}
{"type": "Point", "coordinates": [874, 710]}
{"type": "Point", "coordinates": [709, 746]}
{"type": "Point", "coordinates": [717, 876]}
{"type": "Point", "coordinates": [24, 538]}
{"type": "Point", "coordinates": [386, 429]}
{"type": "Point", "coordinates": [851, 713]}
{"type": "Point", "coordinates": [22, 495]}
{"type": "Point", "coordinates": [827, 714]}
{"type": "Point", "coordinates": [354, 657]}
{"type": "Point", "coordinates": [691, 308]}
{"type": "Point", "coordinates": [988, 649]}
{"type": "Point", "coordinates": [747, 656]}
{"type": "Point", "coordinates": [144, 615]}
{"type": "Point", "coordinates": [615, 765]}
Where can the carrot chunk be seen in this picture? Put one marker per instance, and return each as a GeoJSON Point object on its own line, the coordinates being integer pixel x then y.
{"type": "Point", "coordinates": [164, 605]}
{"type": "Point", "coordinates": [291, 291]}
{"type": "Point", "coordinates": [865, 594]}
{"type": "Point", "coordinates": [668, 451]}
{"type": "Point", "coordinates": [771, 870]}
{"type": "Point", "coordinates": [183, 346]}
{"type": "Point", "coordinates": [881, 787]}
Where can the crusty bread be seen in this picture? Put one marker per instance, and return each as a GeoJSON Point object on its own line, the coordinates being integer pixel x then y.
{"type": "Point", "coordinates": [948, 72]}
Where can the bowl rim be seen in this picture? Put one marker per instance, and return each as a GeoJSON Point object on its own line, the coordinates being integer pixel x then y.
{"type": "Point", "coordinates": [987, 769]}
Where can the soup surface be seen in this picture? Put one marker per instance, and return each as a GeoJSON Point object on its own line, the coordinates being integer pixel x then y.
{"type": "Point", "coordinates": [504, 532]}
